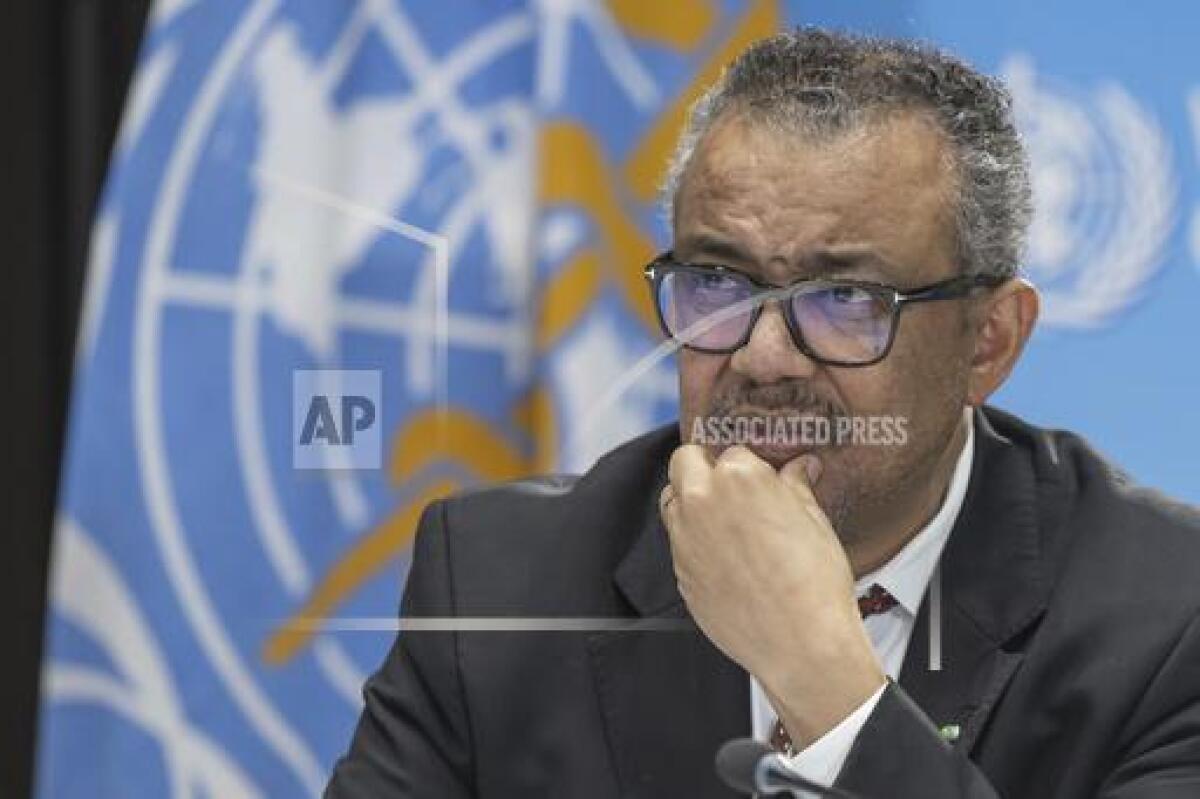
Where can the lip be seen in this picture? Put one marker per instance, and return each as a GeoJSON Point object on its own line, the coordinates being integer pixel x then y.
{"type": "Point", "coordinates": [807, 417]}
{"type": "Point", "coordinates": [779, 454]}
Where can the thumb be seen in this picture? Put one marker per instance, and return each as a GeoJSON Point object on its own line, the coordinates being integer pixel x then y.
{"type": "Point", "coordinates": [803, 470]}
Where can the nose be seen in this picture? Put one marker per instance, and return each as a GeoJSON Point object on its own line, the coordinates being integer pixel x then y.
{"type": "Point", "coordinates": [770, 355]}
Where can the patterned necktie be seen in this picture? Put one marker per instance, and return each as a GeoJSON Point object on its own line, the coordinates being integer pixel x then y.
{"type": "Point", "coordinates": [877, 600]}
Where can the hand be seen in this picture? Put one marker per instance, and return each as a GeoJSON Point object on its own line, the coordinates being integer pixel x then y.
{"type": "Point", "coordinates": [766, 578]}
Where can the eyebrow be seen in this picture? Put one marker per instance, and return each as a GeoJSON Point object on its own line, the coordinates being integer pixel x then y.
{"type": "Point", "coordinates": [720, 248]}
{"type": "Point", "coordinates": [821, 263]}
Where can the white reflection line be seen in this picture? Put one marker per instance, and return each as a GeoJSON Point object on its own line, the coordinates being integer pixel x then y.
{"type": "Point", "coordinates": [487, 624]}
{"type": "Point", "coordinates": [608, 400]}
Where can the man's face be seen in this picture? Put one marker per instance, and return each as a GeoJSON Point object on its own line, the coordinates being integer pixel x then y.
{"type": "Point", "coordinates": [873, 204]}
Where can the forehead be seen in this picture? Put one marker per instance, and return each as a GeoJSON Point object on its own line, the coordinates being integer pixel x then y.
{"type": "Point", "coordinates": [885, 188]}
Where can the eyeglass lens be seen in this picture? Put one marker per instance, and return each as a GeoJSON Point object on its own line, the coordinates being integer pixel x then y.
{"type": "Point", "coordinates": [839, 322]}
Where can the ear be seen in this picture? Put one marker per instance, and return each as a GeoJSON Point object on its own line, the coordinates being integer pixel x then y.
{"type": "Point", "coordinates": [1003, 322]}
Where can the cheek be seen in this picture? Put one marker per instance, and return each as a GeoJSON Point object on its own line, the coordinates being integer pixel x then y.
{"type": "Point", "coordinates": [923, 375]}
{"type": "Point", "coordinates": [866, 391]}
{"type": "Point", "coordinates": [698, 376]}
{"type": "Point", "coordinates": [935, 356]}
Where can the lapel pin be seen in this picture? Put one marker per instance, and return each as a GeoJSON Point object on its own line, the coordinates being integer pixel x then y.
{"type": "Point", "coordinates": [950, 732]}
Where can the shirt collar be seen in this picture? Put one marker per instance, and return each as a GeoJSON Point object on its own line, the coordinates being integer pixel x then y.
{"type": "Point", "coordinates": [907, 574]}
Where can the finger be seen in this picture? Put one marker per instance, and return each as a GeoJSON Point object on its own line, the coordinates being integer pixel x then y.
{"type": "Point", "coordinates": [668, 510]}
{"type": "Point", "coordinates": [665, 498]}
{"type": "Point", "coordinates": [740, 455]}
{"type": "Point", "coordinates": [688, 466]}
{"type": "Point", "coordinates": [802, 472]}
{"type": "Point", "coordinates": [743, 467]}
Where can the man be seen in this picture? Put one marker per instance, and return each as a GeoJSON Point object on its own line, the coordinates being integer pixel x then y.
{"type": "Point", "coordinates": [967, 606]}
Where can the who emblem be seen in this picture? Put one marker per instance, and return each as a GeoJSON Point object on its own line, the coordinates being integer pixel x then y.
{"type": "Point", "coordinates": [250, 233]}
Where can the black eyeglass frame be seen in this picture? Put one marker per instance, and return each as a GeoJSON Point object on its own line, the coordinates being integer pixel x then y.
{"type": "Point", "coordinates": [951, 288]}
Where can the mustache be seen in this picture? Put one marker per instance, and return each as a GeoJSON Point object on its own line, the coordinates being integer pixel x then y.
{"type": "Point", "coordinates": [794, 397]}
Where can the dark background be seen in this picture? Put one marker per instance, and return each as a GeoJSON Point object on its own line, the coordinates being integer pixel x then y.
{"type": "Point", "coordinates": [66, 66]}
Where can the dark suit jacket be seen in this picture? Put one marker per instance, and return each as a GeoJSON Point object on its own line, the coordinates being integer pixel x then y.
{"type": "Point", "coordinates": [1070, 636]}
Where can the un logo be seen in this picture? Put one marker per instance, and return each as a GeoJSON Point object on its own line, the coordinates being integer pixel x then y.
{"type": "Point", "coordinates": [1103, 191]}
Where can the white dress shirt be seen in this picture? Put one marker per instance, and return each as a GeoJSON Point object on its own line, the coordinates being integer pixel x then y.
{"type": "Point", "coordinates": [905, 576]}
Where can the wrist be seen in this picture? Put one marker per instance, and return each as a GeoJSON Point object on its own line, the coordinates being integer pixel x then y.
{"type": "Point", "coordinates": [809, 721]}
{"type": "Point", "coordinates": [816, 691]}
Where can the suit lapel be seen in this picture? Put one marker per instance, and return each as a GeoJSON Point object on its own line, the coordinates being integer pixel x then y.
{"type": "Point", "coordinates": [993, 587]}
{"type": "Point", "coordinates": [959, 697]}
{"type": "Point", "coordinates": [668, 697]}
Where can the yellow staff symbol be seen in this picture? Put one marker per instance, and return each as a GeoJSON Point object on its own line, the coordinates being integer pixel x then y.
{"type": "Point", "coordinates": [573, 171]}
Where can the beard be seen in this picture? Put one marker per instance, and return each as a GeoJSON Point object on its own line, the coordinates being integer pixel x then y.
{"type": "Point", "coordinates": [837, 491]}
{"type": "Point", "coordinates": [857, 480]}
{"type": "Point", "coordinates": [777, 399]}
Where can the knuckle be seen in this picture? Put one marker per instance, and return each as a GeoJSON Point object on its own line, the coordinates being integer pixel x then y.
{"type": "Point", "coordinates": [739, 462]}
{"type": "Point", "coordinates": [682, 454]}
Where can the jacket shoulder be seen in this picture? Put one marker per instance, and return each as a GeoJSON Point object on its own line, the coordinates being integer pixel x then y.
{"type": "Point", "coordinates": [537, 544]}
{"type": "Point", "coordinates": [616, 475]}
{"type": "Point", "coordinates": [1102, 526]}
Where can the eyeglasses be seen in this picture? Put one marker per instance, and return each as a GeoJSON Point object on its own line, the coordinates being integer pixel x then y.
{"type": "Point", "coordinates": [713, 309]}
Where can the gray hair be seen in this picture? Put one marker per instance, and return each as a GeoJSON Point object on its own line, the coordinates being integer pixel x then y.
{"type": "Point", "coordinates": [818, 83]}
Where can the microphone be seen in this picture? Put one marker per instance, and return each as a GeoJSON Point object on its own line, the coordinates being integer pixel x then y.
{"type": "Point", "coordinates": [751, 766]}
